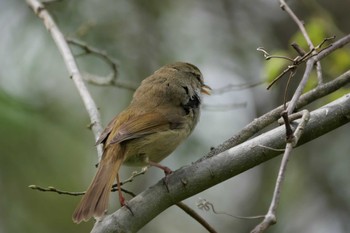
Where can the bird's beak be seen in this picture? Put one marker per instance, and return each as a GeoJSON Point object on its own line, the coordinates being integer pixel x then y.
{"type": "Point", "coordinates": [206, 89]}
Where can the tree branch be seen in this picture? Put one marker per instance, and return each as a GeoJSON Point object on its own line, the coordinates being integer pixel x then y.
{"type": "Point", "coordinates": [196, 216]}
{"type": "Point", "coordinates": [57, 36]}
{"type": "Point", "coordinates": [303, 31]}
{"type": "Point", "coordinates": [270, 217]}
{"type": "Point", "coordinates": [309, 66]}
{"type": "Point", "coordinates": [268, 118]}
{"type": "Point", "coordinates": [110, 80]}
{"type": "Point", "coordinates": [213, 170]}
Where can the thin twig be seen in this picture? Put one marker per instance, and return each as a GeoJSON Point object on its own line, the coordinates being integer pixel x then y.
{"type": "Point", "coordinates": [334, 46]}
{"type": "Point", "coordinates": [69, 193]}
{"type": "Point", "coordinates": [133, 175]}
{"type": "Point", "coordinates": [92, 50]}
{"type": "Point", "coordinates": [309, 65]}
{"type": "Point", "coordinates": [267, 56]}
{"type": "Point", "coordinates": [305, 117]}
{"type": "Point", "coordinates": [110, 80]}
{"type": "Point", "coordinates": [301, 86]}
{"type": "Point", "coordinates": [297, 48]}
{"type": "Point", "coordinates": [40, 10]}
{"type": "Point", "coordinates": [289, 68]}
{"type": "Point", "coordinates": [114, 187]}
{"type": "Point", "coordinates": [301, 26]}
{"type": "Point", "coordinates": [301, 58]}
{"type": "Point", "coordinates": [196, 216]}
{"type": "Point", "coordinates": [289, 130]}
{"type": "Point", "coordinates": [270, 217]}
{"type": "Point", "coordinates": [53, 189]}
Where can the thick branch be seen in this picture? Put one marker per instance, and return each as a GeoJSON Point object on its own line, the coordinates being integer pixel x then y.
{"type": "Point", "coordinates": [268, 118]}
{"type": "Point", "coordinates": [213, 170]}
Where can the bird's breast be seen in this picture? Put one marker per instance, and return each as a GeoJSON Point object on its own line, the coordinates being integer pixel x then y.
{"type": "Point", "coordinates": [154, 147]}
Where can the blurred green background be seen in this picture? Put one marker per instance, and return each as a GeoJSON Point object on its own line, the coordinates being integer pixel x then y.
{"type": "Point", "coordinates": [43, 123]}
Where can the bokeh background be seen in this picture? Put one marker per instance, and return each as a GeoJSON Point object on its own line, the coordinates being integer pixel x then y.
{"type": "Point", "coordinates": [44, 138]}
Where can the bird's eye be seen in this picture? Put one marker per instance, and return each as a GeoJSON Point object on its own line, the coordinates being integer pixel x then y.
{"type": "Point", "coordinates": [198, 77]}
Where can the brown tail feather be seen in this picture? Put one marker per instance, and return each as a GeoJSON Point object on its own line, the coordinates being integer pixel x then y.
{"type": "Point", "coordinates": [95, 201]}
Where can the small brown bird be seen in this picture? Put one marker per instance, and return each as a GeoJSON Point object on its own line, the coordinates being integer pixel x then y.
{"type": "Point", "coordinates": [163, 112]}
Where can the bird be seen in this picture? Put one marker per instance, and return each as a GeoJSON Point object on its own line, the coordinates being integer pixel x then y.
{"type": "Point", "coordinates": [164, 110]}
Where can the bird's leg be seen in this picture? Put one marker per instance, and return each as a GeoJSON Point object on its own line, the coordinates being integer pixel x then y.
{"type": "Point", "coordinates": [121, 197]}
{"type": "Point", "coordinates": [167, 171]}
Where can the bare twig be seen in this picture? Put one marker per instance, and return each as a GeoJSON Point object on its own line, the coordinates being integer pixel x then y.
{"type": "Point", "coordinates": [69, 193]}
{"type": "Point", "coordinates": [114, 187]}
{"type": "Point", "coordinates": [57, 36]}
{"type": "Point", "coordinates": [297, 48]}
{"type": "Point", "coordinates": [110, 80]}
{"type": "Point", "coordinates": [309, 66]}
{"type": "Point", "coordinates": [270, 217]}
{"type": "Point", "coordinates": [301, 58]}
{"type": "Point", "coordinates": [133, 175]}
{"type": "Point", "coordinates": [289, 131]}
{"type": "Point", "coordinates": [305, 117]}
{"type": "Point", "coordinates": [196, 216]}
{"type": "Point", "coordinates": [267, 56]}
{"type": "Point", "coordinates": [53, 189]}
{"type": "Point", "coordinates": [301, 86]}
{"type": "Point", "coordinates": [334, 46]}
{"type": "Point", "coordinates": [290, 68]}
{"type": "Point", "coordinates": [301, 26]}
{"type": "Point", "coordinates": [92, 50]}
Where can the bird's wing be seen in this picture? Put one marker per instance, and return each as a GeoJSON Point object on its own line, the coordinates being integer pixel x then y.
{"type": "Point", "coordinates": [139, 125]}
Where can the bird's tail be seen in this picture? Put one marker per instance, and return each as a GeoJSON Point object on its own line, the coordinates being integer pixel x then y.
{"type": "Point", "coordinates": [95, 201]}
